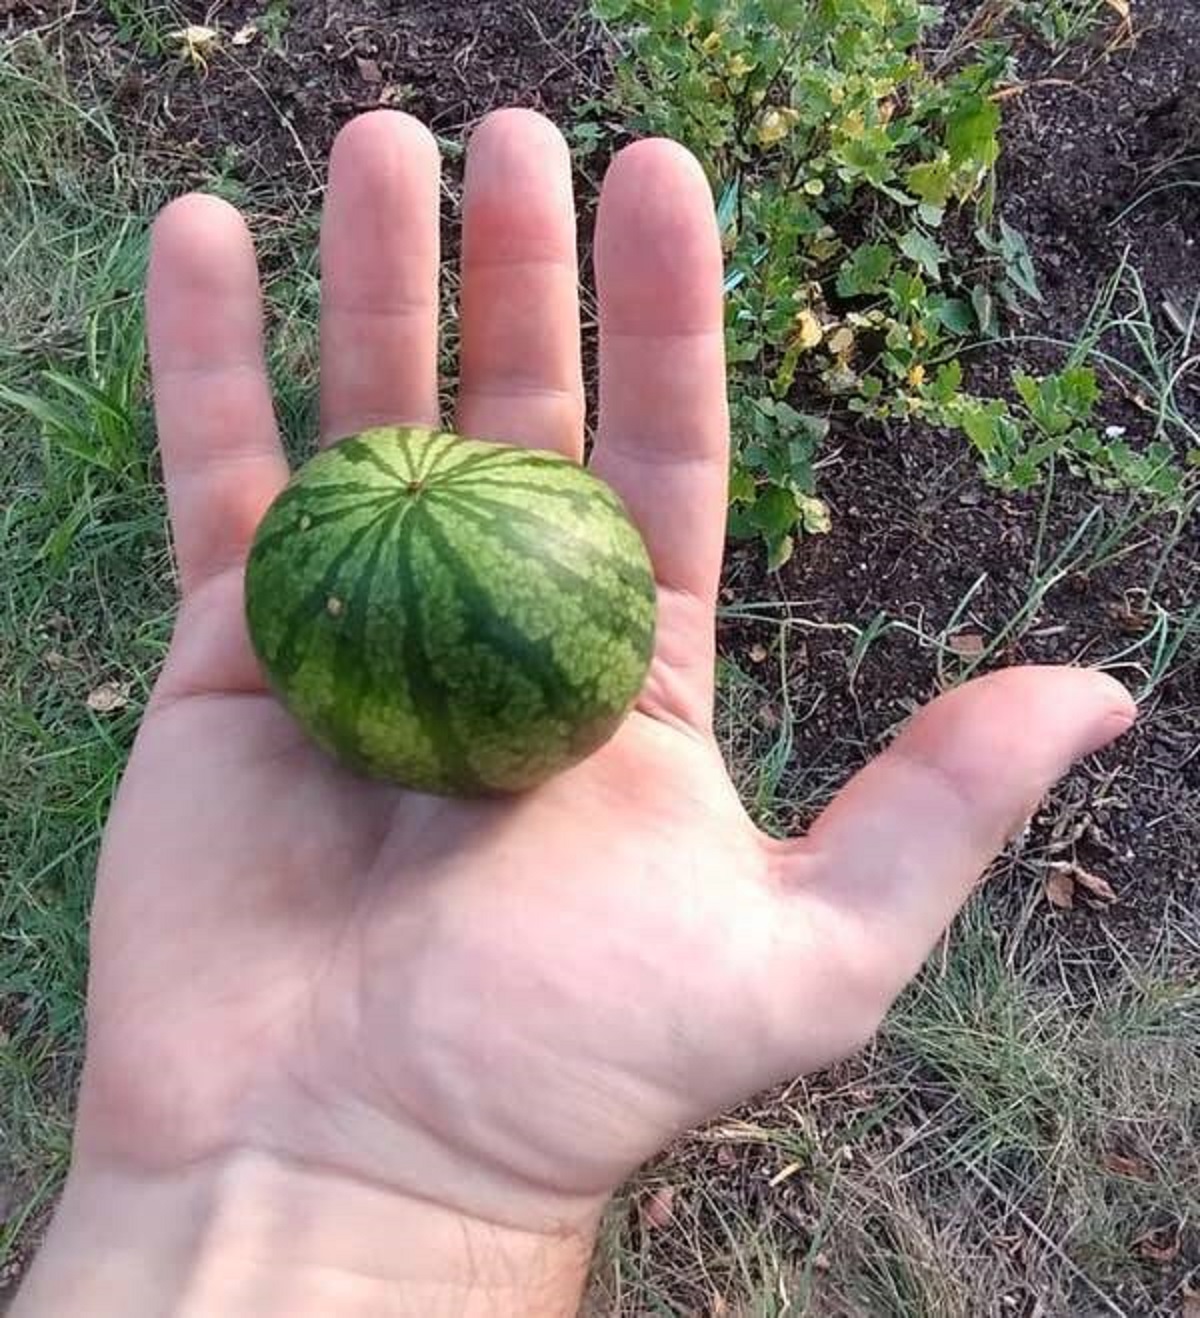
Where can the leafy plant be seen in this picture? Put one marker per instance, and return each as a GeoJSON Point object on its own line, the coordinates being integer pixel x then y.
{"type": "Point", "coordinates": [273, 22]}
{"type": "Point", "coordinates": [770, 490]}
{"type": "Point", "coordinates": [1059, 22]}
{"type": "Point", "coordinates": [1055, 417]}
{"type": "Point", "coordinates": [836, 156]}
{"type": "Point", "coordinates": [856, 201]}
{"type": "Point", "coordinates": [144, 22]}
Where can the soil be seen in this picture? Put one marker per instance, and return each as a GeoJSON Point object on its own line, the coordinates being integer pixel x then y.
{"type": "Point", "coordinates": [913, 528]}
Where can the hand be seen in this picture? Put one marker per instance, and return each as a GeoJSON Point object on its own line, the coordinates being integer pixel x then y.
{"type": "Point", "coordinates": [346, 1042]}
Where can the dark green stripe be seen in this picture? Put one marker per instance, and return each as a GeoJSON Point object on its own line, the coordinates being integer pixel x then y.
{"type": "Point", "coordinates": [267, 542]}
{"type": "Point", "coordinates": [404, 440]}
{"type": "Point", "coordinates": [352, 669]}
{"type": "Point", "coordinates": [427, 459]}
{"type": "Point", "coordinates": [584, 500]}
{"type": "Point", "coordinates": [358, 450]}
{"type": "Point", "coordinates": [449, 459]}
{"type": "Point", "coordinates": [600, 607]}
{"type": "Point", "coordinates": [498, 457]}
{"type": "Point", "coordinates": [288, 654]}
{"type": "Point", "coordinates": [533, 658]}
{"type": "Point", "coordinates": [626, 568]}
{"type": "Point", "coordinates": [305, 490]}
{"type": "Point", "coordinates": [431, 702]}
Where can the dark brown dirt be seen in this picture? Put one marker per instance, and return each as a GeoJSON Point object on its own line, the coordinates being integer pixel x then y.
{"type": "Point", "coordinates": [269, 108]}
{"type": "Point", "coordinates": [913, 529]}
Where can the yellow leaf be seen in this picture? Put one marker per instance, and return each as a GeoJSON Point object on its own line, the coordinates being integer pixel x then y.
{"type": "Point", "coordinates": [814, 186]}
{"type": "Point", "coordinates": [775, 126]}
{"type": "Point", "coordinates": [197, 43]}
{"type": "Point", "coordinates": [814, 514]}
{"type": "Point", "coordinates": [808, 330]}
{"type": "Point", "coordinates": [711, 43]}
{"type": "Point", "coordinates": [739, 66]}
{"type": "Point", "coordinates": [916, 376]}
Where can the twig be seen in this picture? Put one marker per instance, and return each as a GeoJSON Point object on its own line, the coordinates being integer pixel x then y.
{"type": "Point", "coordinates": [287, 124]}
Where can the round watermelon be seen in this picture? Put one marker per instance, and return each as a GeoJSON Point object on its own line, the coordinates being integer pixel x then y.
{"type": "Point", "coordinates": [456, 616]}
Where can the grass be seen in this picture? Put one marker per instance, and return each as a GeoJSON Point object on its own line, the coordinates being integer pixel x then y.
{"type": "Point", "coordinates": [88, 593]}
{"type": "Point", "coordinates": [1022, 1131]}
{"type": "Point", "coordinates": [82, 533]}
{"type": "Point", "coordinates": [1060, 23]}
{"type": "Point", "coordinates": [1002, 1139]}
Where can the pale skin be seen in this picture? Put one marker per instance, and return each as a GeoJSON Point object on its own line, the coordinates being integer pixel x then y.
{"type": "Point", "coordinates": [353, 1050]}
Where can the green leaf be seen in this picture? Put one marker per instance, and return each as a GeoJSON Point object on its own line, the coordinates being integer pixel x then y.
{"type": "Point", "coordinates": [1080, 390]}
{"type": "Point", "coordinates": [1018, 264]}
{"type": "Point", "coordinates": [947, 382]}
{"type": "Point", "coordinates": [775, 511]}
{"type": "Point", "coordinates": [930, 182]}
{"type": "Point", "coordinates": [971, 133]}
{"type": "Point", "coordinates": [727, 207]}
{"type": "Point", "coordinates": [1029, 390]}
{"type": "Point", "coordinates": [919, 247]}
{"type": "Point", "coordinates": [741, 486]}
{"type": "Point", "coordinates": [953, 314]}
{"type": "Point", "coordinates": [866, 270]}
{"type": "Point", "coordinates": [984, 306]}
{"type": "Point", "coordinates": [779, 550]}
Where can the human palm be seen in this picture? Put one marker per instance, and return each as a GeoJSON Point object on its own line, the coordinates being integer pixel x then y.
{"type": "Point", "coordinates": [503, 1004]}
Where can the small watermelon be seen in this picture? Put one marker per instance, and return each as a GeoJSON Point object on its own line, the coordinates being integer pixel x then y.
{"type": "Point", "coordinates": [456, 616]}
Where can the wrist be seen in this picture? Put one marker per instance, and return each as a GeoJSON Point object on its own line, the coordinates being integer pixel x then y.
{"type": "Point", "coordinates": [251, 1234]}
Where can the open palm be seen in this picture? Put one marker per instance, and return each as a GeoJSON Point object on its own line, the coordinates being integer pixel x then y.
{"type": "Point", "coordinates": [503, 1005]}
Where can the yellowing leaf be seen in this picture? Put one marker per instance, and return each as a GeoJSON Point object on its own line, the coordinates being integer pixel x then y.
{"type": "Point", "coordinates": [916, 375]}
{"type": "Point", "coordinates": [814, 514]}
{"type": "Point", "coordinates": [711, 43]}
{"type": "Point", "coordinates": [739, 66]}
{"type": "Point", "coordinates": [197, 42]}
{"type": "Point", "coordinates": [808, 330]}
{"type": "Point", "coordinates": [775, 125]}
{"type": "Point", "coordinates": [244, 35]}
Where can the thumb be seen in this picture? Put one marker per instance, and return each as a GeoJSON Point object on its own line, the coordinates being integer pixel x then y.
{"type": "Point", "coordinates": [898, 851]}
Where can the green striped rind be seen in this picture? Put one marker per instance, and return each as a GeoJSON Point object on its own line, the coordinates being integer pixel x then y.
{"type": "Point", "coordinates": [457, 616]}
